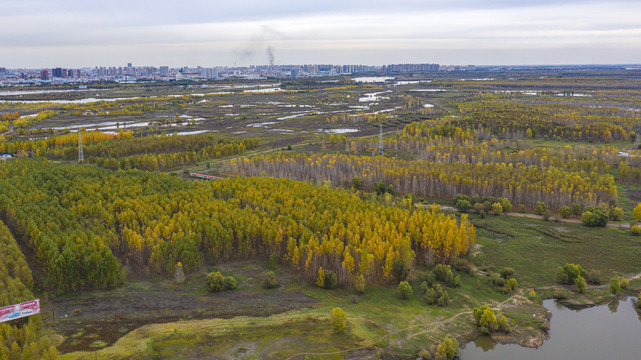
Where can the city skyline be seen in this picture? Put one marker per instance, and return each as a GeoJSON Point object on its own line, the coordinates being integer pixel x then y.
{"type": "Point", "coordinates": [77, 34]}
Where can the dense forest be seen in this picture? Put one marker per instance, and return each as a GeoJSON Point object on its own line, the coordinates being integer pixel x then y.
{"type": "Point", "coordinates": [22, 338]}
{"type": "Point", "coordinates": [83, 223]}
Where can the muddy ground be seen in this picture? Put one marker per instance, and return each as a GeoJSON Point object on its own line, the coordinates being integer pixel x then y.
{"type": "Point", "coordinates": [92, 320]}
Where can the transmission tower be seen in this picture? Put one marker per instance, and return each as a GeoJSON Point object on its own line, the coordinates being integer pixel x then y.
{"type": "Point", "coordinates": [380, 142]}
{"type": "Point", "coordinates": [81, 156]}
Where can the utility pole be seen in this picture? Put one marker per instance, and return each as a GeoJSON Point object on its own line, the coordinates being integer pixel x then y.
{"type": "Point", "coordinates": [81, 156]}
{"type": "Point", "coordinates": [380, 142]}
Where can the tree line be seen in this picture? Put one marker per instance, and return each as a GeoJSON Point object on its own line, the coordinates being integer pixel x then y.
{"type": "Point", "coordinates": [521, 184]}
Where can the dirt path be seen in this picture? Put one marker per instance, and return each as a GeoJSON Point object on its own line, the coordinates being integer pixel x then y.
{"type": "Point", "coordinates": [513, 300]}
{"type": "Point", "coordinates": [8, 132]}
{"type": "Point", "coordinates": [534, 216]}
{"type": "Point", "coordinates": [434, 326]}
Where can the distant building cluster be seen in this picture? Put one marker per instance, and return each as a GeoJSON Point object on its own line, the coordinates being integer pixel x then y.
{"type": "Point", "coordinates": [132, 73]}
{"type": "Point", "coordinates": [402, 68]}
{"type": "Point", "coordinates": [59, 73]}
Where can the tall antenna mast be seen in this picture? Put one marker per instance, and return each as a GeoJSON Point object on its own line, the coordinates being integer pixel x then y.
{"type": "Point", "coordinates": [81, 156]}
{"type": "Point", "coordinates": [380, 142]}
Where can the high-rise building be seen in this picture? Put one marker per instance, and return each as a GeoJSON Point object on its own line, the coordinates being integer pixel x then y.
{"type": "Point", "coordinates": [44, 74]}
{"type": "Point", "coordinates": [209, 73]}
{"type": "Point", "coordinates": [164, 70]}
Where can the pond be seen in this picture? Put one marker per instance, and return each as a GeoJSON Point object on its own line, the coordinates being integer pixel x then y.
{"type": "Point", "coordinates": [609, 331]}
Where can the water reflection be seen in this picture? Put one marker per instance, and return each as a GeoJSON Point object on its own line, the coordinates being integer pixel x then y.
{"type": "Point", "coordinates": [485, 343]}
{"type": "Point", "coordinates": [602, 332]}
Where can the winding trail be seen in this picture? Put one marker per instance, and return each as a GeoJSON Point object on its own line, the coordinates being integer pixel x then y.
{"type": "Point", "coordinates": [433, 327]}
{"type": "Point", "coordinates": [515, 299]}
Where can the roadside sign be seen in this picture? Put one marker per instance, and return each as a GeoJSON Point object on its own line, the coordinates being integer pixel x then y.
{"type": "Point", "coordinates": [21, 310]}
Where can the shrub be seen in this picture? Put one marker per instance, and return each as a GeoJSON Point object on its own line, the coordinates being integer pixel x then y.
{"type": "Point", "coordinates": [639, 301]}
{"type": "Point", "coordinates": [430, 296]}
{"type": "Point", "coordinates": [400, 271]}
{"type": "Point", "coordinates": [381, 188]}
{"type": "Point", "coordinates": [615, 287]}
{"type": "Point", "coordinates": [532, 294]}
{"type": "Point", "coordinates": [230, 283]}
{"type": "Point", "coordinates": [330, 279]}
{"type": "Point", "coordinates": [354, 299]}
{"type": "Point", "coordinates": [463, 206]}
{"type": "Point", "coordinates": [497, 209]}
{"type": "Point", "coordinates": [447, 349]}
{"type": "Point", "coordinates": [424, 287]}
{"type": "Point", "coordinates": [540, 208]}
{"type": "Point", "coordinates": [479, 208]}
{"type": "Point", "coordinates": [594, 216]}
{"type": "Point", "coordinates": [560, 294]}
{"type": "Point", "coordinates": [568, 273]}
{"type": "Point", "coordinates": [357, 183]}
{"type": "Point", "coordinates": [510, 285]}
{"type": "Point", "coordinates": [338, 320]}
{"type": "Point", "coordinates": [460, 197]}
{"type": "Point", "coordinates": [580, 283]}
{"type": "Point", "coordinates": [459, 264]}
{"type": "Point", "coordinates": [215, 281]}
{"type": "Point", "coordinates": [485, 319]}
{"type": "Point", "coordinates": [457, 281]}
{"type": "Point", "coordinates": [565, 211]}
{"type": "Point", "coordinates": [625, 283]}
{"type": "Point", "coordinates": [505, 204]}
{"type": "Point", "coordinates": [444, 299]}
{"type": "Point", "coordinates": [508, 273]}
{"type": "Point", "coordinates": [637, 212]}
{"type": "Point", "coordinates": [404, 290]}
{"type": "Point", "coordinates": [269, 280]}
{"type": "Point", "coordinates": [616, 213]}
{"type": "Point", "coordinates": [576, 209]}
{"type": "Point", "coordinates": [546, 214]}
{"type": "Point", "coordinates": [504, 325]}
{"type": "Point", "coordinates": [635, 230]}
{"type": "Point", "coordinates": [594, 277]}
{"type": "Point", "coordinates": [441, 272]}
{"type": "Point", "coordinates": [449, 279]}
{"type": "Point", "coordinates": [359, 284]}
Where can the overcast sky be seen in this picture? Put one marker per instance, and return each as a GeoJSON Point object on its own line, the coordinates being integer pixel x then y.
{"type": "Point", "coordinates": [78, 33]}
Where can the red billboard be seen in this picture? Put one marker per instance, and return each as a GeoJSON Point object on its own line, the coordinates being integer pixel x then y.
{"type": "Point", "coordinates": [17, 311]}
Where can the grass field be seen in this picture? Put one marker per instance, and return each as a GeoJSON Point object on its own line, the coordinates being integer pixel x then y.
{"type": "Point", "coordinates": [378, 321]}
